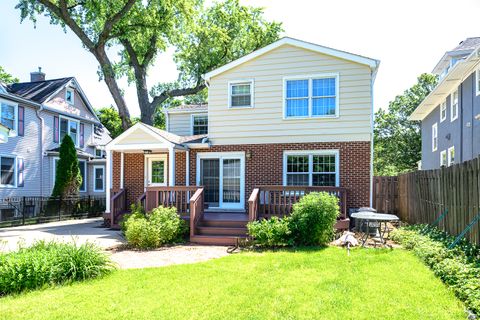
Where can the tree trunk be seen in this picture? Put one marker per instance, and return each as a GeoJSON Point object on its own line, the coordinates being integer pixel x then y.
{"type": "Point", "coordinates": [146, 109]}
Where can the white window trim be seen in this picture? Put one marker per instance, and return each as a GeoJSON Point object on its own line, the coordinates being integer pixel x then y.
{"type": "Point", "coordinates": [192, 120]}
{"type": "Point", "coordinates": [15, 172]}
{"type": "Point", "coordinates": [72, 91]}
{"type": "Point", "coordinates": [443, 107]}
{"type": "Point", "coordinates": [252, 93]}
{"type": "Point", "coordinates": [443, 153]}
{"type": "Point", "coordinates": [54, 171]}
{"type": "Point", "coordinates": [155, 157]}
{"type": "Point", "coordinates": [310, 154]}
{"type": "Point", "coordinates": [477, 78]}
{"type": "Point", "coordinates": [449, 155]}
{"type": "Point", "coordinates": [310, 86]}
{"type": "Point", "coordinates": [15, 121]}
{"type": "Point", "coordinates": [95, 178]}
{"type": "Point", "coordinates": [77, 142]}
{"type": "Point", "coordinates": [434, 137]}
{"type": "Point", "coordinates": [452, 118]}
{"type": "Point", "coordinates": [101, 152]}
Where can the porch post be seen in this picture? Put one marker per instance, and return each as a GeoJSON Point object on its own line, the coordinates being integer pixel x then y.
{"type": "Point", "coordinates": [171, 166]}
{"type": "Point", "coordinates": [121, 169]}
{"type": "Point", "coordinates": [109, 180]}
{"type": "Point", "coordinates": [187, 168]}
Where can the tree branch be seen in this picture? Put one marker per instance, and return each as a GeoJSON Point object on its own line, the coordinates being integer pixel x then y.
{"type": "Point", "coordinates": [107, 28]}
{"type": "Point", "coordinates": [157, 100]}
{"type": "Point", "coordinates": [152, 49]}
{"type": "Point", "coordinates": [62, 11]}
{"type": "Point", "coordinates": [131, 53]}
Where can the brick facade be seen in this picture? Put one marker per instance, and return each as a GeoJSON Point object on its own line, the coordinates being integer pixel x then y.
{"type": "Point", "coordinates": [264, 167]}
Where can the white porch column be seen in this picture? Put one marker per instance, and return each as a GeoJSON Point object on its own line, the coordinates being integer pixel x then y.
{"type": "Point", "coordinates": [121, 169]}
{"type": "Point", "coordinates": [171, 166]}
{"type": "Point", "coordinates": [109, 180]}
{"type": "Point", "coordinates": [187, 168]}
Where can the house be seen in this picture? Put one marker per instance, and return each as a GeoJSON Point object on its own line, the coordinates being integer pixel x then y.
{"type": "Point", "coordinates": [287, 119]}
{"type": "Point", "coordinates": [450, 114]}
{"type": "Point", "coordinates": [39, 114]}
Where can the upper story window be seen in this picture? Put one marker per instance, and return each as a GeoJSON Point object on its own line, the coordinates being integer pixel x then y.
{"type": "Point", "coordinates": [98, 152]}
{"type": "Point", "coordinates": [70, 127]}
{"type": "Point", "coordinates": [477, 81]}
{"type": "Point", "coordinates": [8, 115]}
{"type": "Point", "coordinates": [240, 94]}
{"type": "Point", "coordinates": [434, 137]}
{"type": "Point", "coordinates": [311, 96]}
{"type": "Point", "coordinates": [454, 106]}
{"type": "Point", "coordinates": [199, 124]}
{"type": "Point", "coordinates": [311, 168]}
{"type": "Point", "coordinates": [443, 111]}
{"type": "Point", "coordinates": [451, 155]}
{"type": "Point", "coordinates": [70, 96]}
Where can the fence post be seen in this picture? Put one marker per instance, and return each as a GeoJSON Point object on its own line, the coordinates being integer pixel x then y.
{"type": "Point", "coordinates": [23, 211]}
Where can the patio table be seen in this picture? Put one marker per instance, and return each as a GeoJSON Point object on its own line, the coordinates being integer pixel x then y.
{"type": "Point", "coordinates": [372, 218]}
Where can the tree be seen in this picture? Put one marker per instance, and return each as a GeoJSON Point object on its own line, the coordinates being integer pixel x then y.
{"type": "Point", "coordinates": [110, 119]}
{"type": "Point", "coordinates": [397, 140]}
{"type": "Point", "coordinates": [7, 78]}
{"type": "Point", "coordinates": [67, 177]}
{"type": "Point", "coordinates": [204, 38]}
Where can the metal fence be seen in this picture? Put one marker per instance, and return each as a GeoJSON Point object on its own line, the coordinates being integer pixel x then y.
{"type": "Point", "coordinates": [31, 210]}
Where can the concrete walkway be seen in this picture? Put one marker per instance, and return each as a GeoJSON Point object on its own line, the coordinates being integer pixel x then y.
{"type": "Point", "coordinates": [79, 231]}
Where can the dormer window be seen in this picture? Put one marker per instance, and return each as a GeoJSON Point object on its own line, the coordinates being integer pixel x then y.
{"type": "Point", "coordinates": [69, 96]}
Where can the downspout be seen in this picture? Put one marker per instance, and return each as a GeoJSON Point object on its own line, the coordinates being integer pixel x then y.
{"type": "Point", "coordinates": [37, 113]}
{"type": "Point", "coordinates": [372, 122]}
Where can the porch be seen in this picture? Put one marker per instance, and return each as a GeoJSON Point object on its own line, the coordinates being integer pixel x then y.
{"type": "Point", "coordinates": [224, 227]}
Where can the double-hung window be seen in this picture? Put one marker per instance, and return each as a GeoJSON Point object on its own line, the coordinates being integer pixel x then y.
{"type": "Point", "coordinates": [8, 115]}
{"type": "Point", "coordinates": [443, 158]}
{"type": "Point", "coordinates": [199, 124]}
{"type": "Point", "coordinates": [451, 155]}
{"type": "Point", "coordinates": [454, 106]}
{"type": "Point", "coordinates": [311, 168]}
{"type": "Point", "coordinates": [434, 137]}
{"type": "Point", "coordinates": [240, 94]}
{"type": "Point", "coordinates": [443, 111]}
{"type": "Point", "coordinates": [7, 171]}
{"type": "Point", "coordinates": [477, 82]}
{"type": "Point", "coordinates": [70, 127]}
{"type": "Point", "coordinates": [311, 96]}
{"type": "Point", "coordinates": [99, 178]}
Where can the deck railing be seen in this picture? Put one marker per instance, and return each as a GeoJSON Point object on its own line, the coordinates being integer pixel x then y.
{"type": "Point", "coordinates": [269, 201]}
{"type": "Point", "coordinates": [178, 197]}
{"type": "Point", "coordinates": [118, 205]}
{"type": "Point", "coordinates": [196, 210]}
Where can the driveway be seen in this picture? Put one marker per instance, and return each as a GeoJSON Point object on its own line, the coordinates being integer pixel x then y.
{"type": "Point", "coordinates": [79, 231]}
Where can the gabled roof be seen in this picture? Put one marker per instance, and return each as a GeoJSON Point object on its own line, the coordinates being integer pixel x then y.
{"type": "Point", "coordinates": [464, 48]}
{"type": "Point", "coordinates": [38, 91]}
{"type": "Point", "coordinates": [372, 63]}
{"type": "Point", "coordinates": [188, 108]}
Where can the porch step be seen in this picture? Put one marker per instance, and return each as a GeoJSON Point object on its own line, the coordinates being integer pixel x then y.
{"type": "Point", "coordinates": [224, 220]}
{"type": "Point", "coordinates": [214, 240]}
{"type": "Point", "coordinates": [222, 231]}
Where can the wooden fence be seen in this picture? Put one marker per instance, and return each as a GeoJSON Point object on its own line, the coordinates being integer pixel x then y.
{"type": "Point", "coordinates": [385, 194]}
{"type": "Point", "coordinates": [422, 196]}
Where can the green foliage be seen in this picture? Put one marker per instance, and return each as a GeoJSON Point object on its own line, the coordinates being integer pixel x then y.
{"type": "Point", "coordinates": [110, 119]}
{"type": "Point", "coordinates": [7, 78]}
{"type": "Point", "coordinates": [313, 218]}
{"type": "Point", "coordinates": [274, 232]}
{"type": "Point", "coordinates": [154, 229]}
{"type": "Point", "coordinates": [459, 267]}
{"type": "Point", "coordinates": [397, 140]}
{"type": "Point", "coordinates": [50, 263]}
{"type": "Point", "coordinates": [67, 177]}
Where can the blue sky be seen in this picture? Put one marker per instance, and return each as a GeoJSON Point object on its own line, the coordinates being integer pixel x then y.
{"type": "Point", "coordinates": [408, 37]}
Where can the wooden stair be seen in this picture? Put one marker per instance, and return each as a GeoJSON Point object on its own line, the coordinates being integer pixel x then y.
{"type": "Point", "coordinates": [221, 228]}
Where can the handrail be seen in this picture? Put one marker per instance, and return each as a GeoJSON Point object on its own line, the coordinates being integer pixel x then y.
{"type": "Point", "coordinates": [253, 202]}
{"type": "Point", "coordinates": [177, 196]}
{"type": "Point", "coordinates": [196, 210]}
{"type": "Point", "coordinates": [118, 203]}
{"type": "Point", "coordinates": [141, 199]}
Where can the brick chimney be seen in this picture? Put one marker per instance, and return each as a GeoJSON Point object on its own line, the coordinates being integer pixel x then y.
{"type": "Point", "coordinates": [37, 75]}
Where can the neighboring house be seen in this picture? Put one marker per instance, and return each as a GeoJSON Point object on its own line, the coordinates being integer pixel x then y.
{"type": "Point", "coordinates": [290, 114]}
{"type": "Point", "coordinates": [39, 114]}
{"type": "Point", "coordinates": [450, 114]}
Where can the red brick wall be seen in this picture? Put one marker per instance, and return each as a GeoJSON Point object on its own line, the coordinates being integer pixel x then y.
{"type": "Point", "coordinates": [265, 167]}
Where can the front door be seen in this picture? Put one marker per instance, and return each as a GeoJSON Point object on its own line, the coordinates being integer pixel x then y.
{"type": "Point", "coordinates": [222, 175]}
{"type": "Point", "coordinates": [156, 171]}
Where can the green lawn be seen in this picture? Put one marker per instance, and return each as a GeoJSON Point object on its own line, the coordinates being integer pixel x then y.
{"type": "Point", "coordinates": [310, 284]}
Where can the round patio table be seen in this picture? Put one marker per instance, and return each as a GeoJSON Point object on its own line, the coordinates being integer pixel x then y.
{"type": "Point", "coordinates": [373, 220]}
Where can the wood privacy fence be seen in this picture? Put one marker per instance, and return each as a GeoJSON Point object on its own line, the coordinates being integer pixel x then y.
{"type": "Point", "coordinates": [422, 196]}
{"type": "Point", "coordinates": [385, 194]}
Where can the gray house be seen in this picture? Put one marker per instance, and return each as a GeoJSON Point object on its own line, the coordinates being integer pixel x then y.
{"type": "Point", "coordinates": [39, 114]}
{"type": "Point", "coordinates": [450, 114]}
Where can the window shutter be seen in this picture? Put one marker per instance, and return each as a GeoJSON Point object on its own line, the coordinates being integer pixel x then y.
{"type": "Point", "coordinates": [56, 133]}
{"type": "Point", "coordinates": [20, 168]}
{"type": "Point", "coordinates": [21, 121]}
{"type": "Point", "coordinates": [82, 135]}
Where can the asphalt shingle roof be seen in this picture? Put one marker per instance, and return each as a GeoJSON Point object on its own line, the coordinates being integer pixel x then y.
{"type": "Point", "coordinates": [468, 44]}
{"type": "Point", "coordinates": [189, 107]}
{"type": "Point", "coordinates": [177, 139]}
{"type": "Point", "coordinates": [37, 91]}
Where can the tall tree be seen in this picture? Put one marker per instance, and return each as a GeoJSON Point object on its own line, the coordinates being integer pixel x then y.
{"type": "Point", "coordinates": [110, 119]}
{"type": "Point", "coordinates": [397, 140]}
{"type": "Point", "coordinates": [67, 177]}
{"type": "Point", "coordinates": [204, 38]}
{"type": "Point", "coordinates": [7, 78]}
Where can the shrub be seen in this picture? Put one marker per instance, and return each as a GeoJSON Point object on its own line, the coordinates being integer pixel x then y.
{"type": "Point", "coordinates": [459, 268]}
{"type": "Point", "coordinates": [51, 263]}
{"type": "Point", "coordinates": [154, 229]}
{"type": "Point", "coordinates": [274, 232]}
{"type": "Point", "coordinates": [313, 218]}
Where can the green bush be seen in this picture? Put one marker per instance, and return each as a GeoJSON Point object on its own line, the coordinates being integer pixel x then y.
{"type": "Point", "coordinates": [50, 263]}
{"type": "Point", "coordinates": [274, 232]}
{"type": "Point", "coordinates": [459, 268]}
{"type": "Point", "coordinates": [313, 219]}
{"type": "Point", "coordinates": [154, 229]}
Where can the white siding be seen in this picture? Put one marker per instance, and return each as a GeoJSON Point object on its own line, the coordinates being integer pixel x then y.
{"type": "Point", "coordinates": [265, 124]}
{"type": "Point", "coordinates": [180, 123]}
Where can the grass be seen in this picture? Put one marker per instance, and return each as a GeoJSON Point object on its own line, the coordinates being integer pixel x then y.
{"type": "Point", "coordinates": [308, 284]}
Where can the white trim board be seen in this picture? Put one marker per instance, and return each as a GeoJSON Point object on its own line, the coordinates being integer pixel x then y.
{"type": "Point", "coordinates": [95, 167]}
